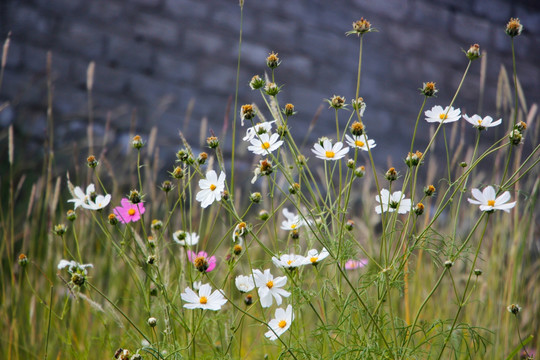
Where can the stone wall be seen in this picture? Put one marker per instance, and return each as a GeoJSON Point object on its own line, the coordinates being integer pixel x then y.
{"type": "Point", "coordinates": [154, 57]}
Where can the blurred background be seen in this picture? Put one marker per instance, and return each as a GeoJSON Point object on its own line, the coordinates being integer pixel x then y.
{"type": "Point", "coordinates": [172, 63]}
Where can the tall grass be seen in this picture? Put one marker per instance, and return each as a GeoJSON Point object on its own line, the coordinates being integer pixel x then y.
{"type": "Point", "coordinates": [431, 281]}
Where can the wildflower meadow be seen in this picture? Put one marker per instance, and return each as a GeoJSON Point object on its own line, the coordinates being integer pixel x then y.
{"type": "Point", "coordinates": [318, 252]}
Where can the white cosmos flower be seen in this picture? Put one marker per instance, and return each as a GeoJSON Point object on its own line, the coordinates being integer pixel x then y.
{"type": "Point", "coordinates": [99, 203]}
{"type": "Point", "coordinates": [197, 285]}
{"type": "Point", "coordinates": [211, 188]}
{"type": "Point", "coordinates": [269, 288]}
{"type": "Point", "coordinates": [394, 202]}
{"type": "Point", "coordinates": [489, 201]}
{"type": "Point", "coordinates": [292, 221]}
{"type": "Point", "coordinates": [329, 152]}
{"type": "Point", "coordinates": [280, 323]}
{"type": "Point", "coordinates": [360, 142]}
{"type": "Point", "coordinates": [184, 238]}
{"type": "Point", "coordinates": [206, 299]}
{"type": "Point", "coordinates": [244, 283]}
{"type": "Point", "coordinates": [259, 128]}
{"type": "Point", "coordinates": [314, 257]}
{"type": "Point", "coordinates": [289, 261]}
{"type": "Point", "coordinates": [81, 198]}
{"type": "Point", "coordinates": [73, 266]}
{"type": "Point", "coordinates": [264, 144]}
{"type": "Point", "coordinates": [482, 124]}
{"type": "Point", "coordinates": [438, 114]}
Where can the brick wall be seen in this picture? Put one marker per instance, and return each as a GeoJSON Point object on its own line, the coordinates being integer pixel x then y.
{"type": "Point", "coordinates": [155, 56]}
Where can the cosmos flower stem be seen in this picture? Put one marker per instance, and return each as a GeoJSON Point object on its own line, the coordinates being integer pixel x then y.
{"type": "Point", "coordinates": [99, 181]}
{"type": "Point", "coordinates": [511, 181]}
{"type": "Point", "coordinates": [118, 309]}
{"type": "Point", "coordinates": [447, 156]}
{"type": "Point", "coordinates": [463, 302]}
{"type": "Point", "coordinates": [235, 112]}
{"type": "Point", "coordinates": [76, 244]}
{"type": "Point", "coordinates": [358, 76]}
{"type": "Point", "coordinates": [515, 81]}
{"type": "Point", "coordinates": [417, 121]}
{"type": "Point", "coordinates": [139, 170]}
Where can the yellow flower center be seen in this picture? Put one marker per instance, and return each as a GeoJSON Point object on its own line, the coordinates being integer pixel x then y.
{"type": "Point", "coordinates": [289, 262]}
{"type": "Point", "coordinates": [443, 116]}
{"type": "Point", "coordinates": [203, 300]}
{"type": "Point", "coordinates": [293, 226]}
{"type": "Point", "coordinates": [265, 145]}
{"type": "Point", "coordinates": [282, 324]}
{"type": "Point", "coordinates": [314, 259]}
{"type": "Point", "coordinates": [330, 154]}
{"type": "Point", "coordinates": [131, 212]}
{"type": "Point", "coordinates": [491, 202]}
{"type": "Point", "coordinates": [213, 187]}
{"type": "Point", "coordinates": [359, 143]}
{"type": "Point", "coordinates": [270, 284]}
{"type": "Point", "coordinates": [480, 122]}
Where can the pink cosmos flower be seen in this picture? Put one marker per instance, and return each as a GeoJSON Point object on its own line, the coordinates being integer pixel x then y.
{"type": "Point", "coordinates": [355, 264]}
{"type": "Point", "coordinates": [128, 211]}
{"type": "Point", "coordinates": [201, 260]}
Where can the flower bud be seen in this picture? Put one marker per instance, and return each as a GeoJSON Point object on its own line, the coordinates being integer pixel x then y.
{"type": "Point", "coordinates": [263, 215]}
{"type": "Point", "coordinates": [152, 322]}
{"type": "Point", "coordinates": [135, 197]}
{"type": "Point", "coordinates": [477, 272]}
{"type": "Point", "coordinates": [255, 197]}
{"type": "Point", "coordinates": [182, 155]}
{"type": "Point", "coordinates": [71, 215]}
{"type": "Point", "coordinates": [23, 260]}
{"type": "Point", "coordinates": [357, 128]}
{"type": "Point", "coordinates": [78, 279]}
{"type": "Point", "coordinates": [60, 229]}
{"type": "Point", "coordinates": [301, 160]}
{"type": "Point", "coordinates": [360, 171]}
{"type": "Point", "coordinates": [463, 164]}
{"type": "Point", "coordinates": [177, 173]}
{"type": "Point", "coordinates": [428, 89]}
{"type": "Point", "coordinates": [151, 242]}
{"type": "Point", "coordinates": [391, 174]}
{"type": "Point", "coordinates": [419, 209]}
{"type": "Point", "coordinates": [151, 259]}
{"type": "Point", "coordinates": [514, 309]}
{"type": "Point", "coordinates": [295, 234]}
{"type": "Point", "coordinates": [514, 27]}
{"type": "Point", "coordinates": [92, 162]}
{"type": "Point", "coordinates": [361, 26]}
{"type": "Point", "coordinates": [137, 142]}
{"type": "Point", "coordinates": [237, 249]}
{"type": "Point", "coordinates": [153, 291]}
{"type": "Point", "coordinates": [359, 105]}
{"type": "Point", "coordinates": [256, 82]}
{"type": "Point", "coordinates": [166, 186]}
{"type": "Point", "coordinates": [157, 224]}
{"type": "Point", "coordinates": [521, 126]}
{"type": "Point", "coordinates": [282, 130]}
{"type": "Point", "coordinates": [272, 61]}
{"type": "Point", "coordinates": [248, 300]}
{"type": "Point", "coordinates": [288, 110]}
{"type": "Point", "coordinates": [349, 225]}
{"type": "Point", "coordinates": [225, 195]}
{"type": "Point", "coordinates": [337, 102]}
{"type": "Point", "coordinates": [212, 142]}
{"type": "Point", "coordinates": [112, 219]}
{"type": "Point", "coordinates": [201, 159]}
{"type": "Point", "coordinates": [414, 159]}
{"type": "Point", "coordinates": [247, 112]}
{"type": "Point", "coordinates": [272, 89]}
{"type": "Point", "coordinates": [294, 188]}
{"type": "Point", "coordinates": [448, 264]}
{"type": "Point", "coordinates": [474, 52]}
{"type": "Point", "coordinates": [350, 163]}
{"type": "Point", "coordinates": [429, 190]}
{"type": "Point", "coordinates": [515, 137]}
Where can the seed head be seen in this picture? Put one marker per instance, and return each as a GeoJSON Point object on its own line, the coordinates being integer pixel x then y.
{"type": "Point", "coordinates": [414, 159]}
{"type": "Point", "coordinates": [515, 137]}
{"type": "Point", "coordinates": [521, 126]}
{"type": "Point", "coordinates": [294, 188]}
{"type": "Point", "coordinates": [360, 171]}
{"type": "Point", "coordinates": [361, 26]}
{"type": "Point", "coordinates": [78, 279]}
{"type": "Point", "coordinates": [514, 27]}
{"type": "Point", "coordinates": [255, 197]}
{"type": "Point", "coordinates": [419, 209]}
{"type": "Point", "coordinates": [201, 159]}
{"type": "Point", "coordinates": [166, 186]}
{"type": "Point", "coordinates": [177, 173]}
{"type": "Point", "coordinates": [272, 89]}
{"type": "Point", "coordinates": [359, 104]}
{"type": "Point", "coordinates": [263, 215]}
{"type": "Point", "coordinates": [337, 102]}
